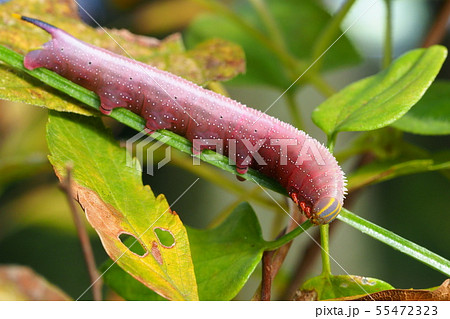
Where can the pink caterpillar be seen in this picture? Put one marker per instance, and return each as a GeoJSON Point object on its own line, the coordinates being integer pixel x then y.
{"type": "Point", "coordinates": [302, 165]}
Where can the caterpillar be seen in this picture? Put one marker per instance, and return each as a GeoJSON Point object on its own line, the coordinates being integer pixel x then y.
{"type": "Point", "coordinates": [302, 165]}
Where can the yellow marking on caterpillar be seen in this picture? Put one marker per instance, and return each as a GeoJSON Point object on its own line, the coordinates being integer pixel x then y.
{"type": "Point", "coordinates": [326, 207]}
{"type": "Point", "coordinates": [337, 209]}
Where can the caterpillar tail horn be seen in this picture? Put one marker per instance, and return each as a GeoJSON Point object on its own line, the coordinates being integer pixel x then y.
{"type": "Point", "coordinates": [41, 24]}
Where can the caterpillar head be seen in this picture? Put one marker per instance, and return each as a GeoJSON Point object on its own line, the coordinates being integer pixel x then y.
{"type": "Point", "coordinates": [325, 210]}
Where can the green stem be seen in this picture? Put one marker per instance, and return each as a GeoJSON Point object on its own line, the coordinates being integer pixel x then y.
{"type": "Point", "coordinates": [331, 142]}
{"type": "Point", "coordinates": [294, 109]}
{"type": "Point", "coordinates": [328, 35]}
{"type": "Point", "coordinates": [283, 240]}
{"type": "Point", "coordinates": [324, 241]}
{"type": "Point", "coordinates": [324, 229]}
{"type": "Point", "coordinates": [397, 242]}
{"type": "Point", "coordinates": [320, 84]}
{"type": "Point", "coordinates": [387, 58]}
{"type": "Point", "coordinates": [270, 24]}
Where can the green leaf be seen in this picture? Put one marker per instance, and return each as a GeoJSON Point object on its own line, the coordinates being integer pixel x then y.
{"type": "Point", "coordinates": [397, 242]}
{"type": "Point", "coordinates": [332, 287]}
{"type": "Point", "coordinates": [215, 60]}
{"type": "Point", "coordinates": [388, 169]}
{"type": "Point", "coordinates": [224, 258]}
{"type": "Point", "coordinates": [300, 23]}
{"type": "Point", "coordinates": [379, 100]}
{"type": "Point", "coordinates": [431, 115]}
{"type": "Point", "coordinates": [125, 285]}
{"type": "Point", "coordinates": [115, 202]}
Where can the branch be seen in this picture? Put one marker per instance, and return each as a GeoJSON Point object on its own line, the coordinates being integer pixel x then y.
{"type": "Point", "coordinates": [438, 29]}
{"type": "Point", "coordinates": [266, 284]}
{"type": "Point", "coordinates": [66, 186]}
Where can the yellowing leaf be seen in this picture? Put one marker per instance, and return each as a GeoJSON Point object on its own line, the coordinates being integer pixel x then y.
{"type": "Point", "coordinates": [117, 204]}
{"type": "Point", "coordinates": [332, 287]}
{"type": "Point", "coordinates": [442, 293]}
{"type": "Point", "coordinates": [22, 283]}
{"type": "Point", "coordinates": [168, 54]}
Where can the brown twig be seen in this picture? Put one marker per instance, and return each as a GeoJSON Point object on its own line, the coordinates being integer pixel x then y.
{"type": "Point", "coordinates": [306, 261]}
{"type": "Point", "coordinates": [266, 283]}
{"type": "Point", "coordinates": [273, 260]}
{"type": "Point", "coordinates": [437, 30]}
{"type": "Point", "coordinates": [297, 218]}
{"type": "Point", "coordinates": [66, 186]}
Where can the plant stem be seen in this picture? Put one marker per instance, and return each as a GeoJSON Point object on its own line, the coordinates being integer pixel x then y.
{"type": "Point", "coordinates": [66, 186]}
{"type": "Point", "coordinates": [266, 283]}
{"type": "Point", "coordinates": [387, 58]}
{"type": "Point", "coordinates": [324, 230]}
{"type": "Point", "coordinates": [397, 242]}
{"type": "Point", "coordinates": [278, 256]}
{"type": "Point", "coordinates": [270, 24]}
{"type": "Point", "coordinates": [288, 237]}
{"type": "Point", "coordinates": [324, 241]}
{"type": "Point", "coordinates": [305, 262]}
{"type": "Point", "coordinates": [328, 35]}
{"type": "Point", "coordinates": [294, 109]}
{"type": "Point", "coordinates": [331, 142]}
{"type": "Point", "coordinates": [320, 84]}
{"type": "Point", "coordinates": [437, 31]}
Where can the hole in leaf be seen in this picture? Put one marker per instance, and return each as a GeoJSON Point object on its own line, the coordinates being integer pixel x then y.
{"type": "Point", "coordinates": [133, 244]}
{"type": "Point", "coordinates": [165, 237]}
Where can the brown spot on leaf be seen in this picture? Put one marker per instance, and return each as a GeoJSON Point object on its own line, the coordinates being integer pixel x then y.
{"type": "Point", "coordinates": [156, 253]}
{"type": "Point", "coordinates": [103, 217]}
{"type": "Point", "coordinates": [305, 295]}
